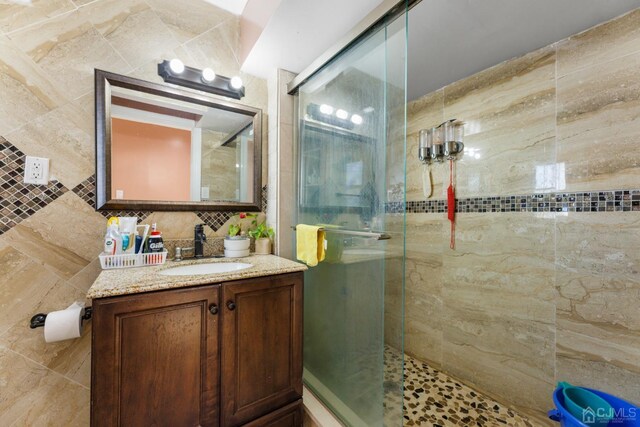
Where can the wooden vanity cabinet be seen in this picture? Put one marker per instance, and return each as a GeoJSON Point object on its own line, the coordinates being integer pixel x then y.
{"type": "Point", "coordinates": [227, 354]}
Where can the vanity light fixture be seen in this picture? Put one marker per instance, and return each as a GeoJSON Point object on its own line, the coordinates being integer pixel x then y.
{"type": "Point", "coordinates": [176, 66]}
{"type": "Point", "coordinates": [236, 82]}
{"type": "Point", "coordinates": [208, 75]}
{"type": "Point", "coordinates": [328, 114]}
{"type": "Point", "coordinates": [206, 80]}
{"type": "Point", "coordinates": [326, 109]}
{"type": "Point", "coordinates": [356, 119]}
{"type": "Point", "coordinates": [342, 114]}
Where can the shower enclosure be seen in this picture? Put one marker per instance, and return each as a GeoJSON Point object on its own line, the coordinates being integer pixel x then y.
{"type": "Point", "coordinates": [351, 180]}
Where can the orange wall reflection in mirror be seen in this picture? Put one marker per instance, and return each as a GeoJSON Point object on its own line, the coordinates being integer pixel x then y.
{"type": "Point", "coordinates": [149, 162]}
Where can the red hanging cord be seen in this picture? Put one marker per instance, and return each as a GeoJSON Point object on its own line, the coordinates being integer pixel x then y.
{"type": "Point", "coordinates": [451, 206]}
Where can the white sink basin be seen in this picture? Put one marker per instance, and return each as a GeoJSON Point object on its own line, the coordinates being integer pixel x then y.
{"type": "Point", "coordinates": [209, 268]}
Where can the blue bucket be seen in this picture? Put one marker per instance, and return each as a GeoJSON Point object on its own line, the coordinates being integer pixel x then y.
{"type": "Point", "coordinates": [625, 414]}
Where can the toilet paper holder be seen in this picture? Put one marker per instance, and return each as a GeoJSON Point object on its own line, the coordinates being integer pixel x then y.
{"type": "Point", "coordinates": [37, 321]}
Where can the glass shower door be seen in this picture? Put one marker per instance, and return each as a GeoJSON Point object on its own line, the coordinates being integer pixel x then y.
{"type": "Point", "coordinates": [351, 151]}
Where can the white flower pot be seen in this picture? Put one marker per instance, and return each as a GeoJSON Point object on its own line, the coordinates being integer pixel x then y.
{"type": "Point", "coordinates": [236, 254]}
{"type": "Point", "coordinates": [237, 243]}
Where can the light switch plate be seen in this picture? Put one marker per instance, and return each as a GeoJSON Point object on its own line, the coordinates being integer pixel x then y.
{"type": "Point", "coordinates": [204, 193]}
{"type": "Point", "coordinates": [36, 170]}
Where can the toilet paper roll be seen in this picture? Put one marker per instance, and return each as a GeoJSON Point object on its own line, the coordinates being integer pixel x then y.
{"type": "Point", "coordinates": [64, 324]}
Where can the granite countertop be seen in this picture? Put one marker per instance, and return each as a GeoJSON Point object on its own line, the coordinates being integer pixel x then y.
{"type": "Point", "coordinates": [127, 281]}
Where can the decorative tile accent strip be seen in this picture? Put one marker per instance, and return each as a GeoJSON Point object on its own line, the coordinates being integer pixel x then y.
{"type": "Point", "coordinates": [215, 220]}
{"type": "Point", "coordinates": [86, 190]}
{"type": "Point", "coordinates": [18, 201]}
{"type": "Point", "coordinates": [263, 205]}
{"type": "Point", "coordinates": [593, 201]}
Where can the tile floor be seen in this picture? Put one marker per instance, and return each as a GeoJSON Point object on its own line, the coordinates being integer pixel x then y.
{"type": "Point", "coordinates": [432, 398]}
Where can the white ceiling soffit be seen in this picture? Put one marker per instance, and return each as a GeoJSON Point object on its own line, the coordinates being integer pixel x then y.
{"type": "Point", "coordinates": [301, 30]}
{"type": "Point", "coordinates": [453, 39]}
{"type": "Point", "coordinates": [234, 6]}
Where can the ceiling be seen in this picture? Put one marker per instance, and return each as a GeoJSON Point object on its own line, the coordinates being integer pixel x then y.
{"type": "Point", "coordinates": [301, 30]}
{"type": "Point", "coordinates": [234, 6]}
{"type": "Point", "coordinates": [448, 39]}
{"type": "Point", "coordinates": [453, 39]}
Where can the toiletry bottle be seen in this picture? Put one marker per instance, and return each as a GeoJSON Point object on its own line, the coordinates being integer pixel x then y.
{"type": "Point", "coordinates": [155, 245]}
{"type": "Point", "coordinates": [112, 238]}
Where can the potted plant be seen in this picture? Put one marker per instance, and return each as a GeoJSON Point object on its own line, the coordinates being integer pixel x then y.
{"type": "Point", "coordinates": [263, 235]}
{"type": "Point", "coordinates": [236, 243]}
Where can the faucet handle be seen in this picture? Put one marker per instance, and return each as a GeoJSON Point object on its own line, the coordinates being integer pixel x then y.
{"type": "Point", "coordinates": [178, 254]}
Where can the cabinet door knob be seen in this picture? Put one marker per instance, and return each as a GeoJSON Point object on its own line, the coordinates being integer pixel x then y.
{"type": "Point", "coordinates": [231, 305]}
{"type": "Point", "coordinates": [213, 309]}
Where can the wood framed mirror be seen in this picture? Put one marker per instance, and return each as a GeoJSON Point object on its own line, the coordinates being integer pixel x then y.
{"type": "Point", "coordinates": [163, 148]}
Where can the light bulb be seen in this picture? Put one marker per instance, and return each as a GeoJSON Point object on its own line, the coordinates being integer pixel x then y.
{"type": "Point", "coordinates": [356, 119]}
{"type": "Point", "coordinates": [326, 109]}
{"type": "Point", "coordinates": [208, 75]}
{"type": "Point", "coordinates": [236, 82]}
{"type": "Point", "coordinates": [177, 66]}
{"type": "Point", "coordinates": [342, 114]}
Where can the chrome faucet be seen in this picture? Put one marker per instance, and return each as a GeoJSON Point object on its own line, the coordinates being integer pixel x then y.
{"type": "Point", "coordinates": [198, 241]}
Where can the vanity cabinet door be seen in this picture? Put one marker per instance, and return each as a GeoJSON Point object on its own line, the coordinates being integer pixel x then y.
{"type": "Point", "coordinates": [261, 346]}
{"type": "Point", "coordinates": [287, 416]}
{"type": "Point", "coordinates": [155, 359]}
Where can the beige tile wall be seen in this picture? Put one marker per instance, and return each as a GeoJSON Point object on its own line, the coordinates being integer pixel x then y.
{"type": "Point", "coordinates": [529, 299]}
{"type": "Point", "coordinates": [48, 51]}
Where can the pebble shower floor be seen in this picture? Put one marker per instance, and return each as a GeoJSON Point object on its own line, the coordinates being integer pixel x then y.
{"type": "Point", "coordinates": [432, 398]}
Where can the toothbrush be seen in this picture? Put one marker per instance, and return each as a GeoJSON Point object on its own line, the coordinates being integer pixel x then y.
{"type": "Point", "coordinates": [144, 237]}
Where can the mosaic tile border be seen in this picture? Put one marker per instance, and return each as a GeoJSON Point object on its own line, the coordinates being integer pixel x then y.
{"type": "Point", "coordinates": [18, 201]}
{"type": "Point", "coordinates": [215, 220]}
{"type": "Point", "coordinates": [86, 190]}
{"type": "Point", "coordinates": [584, 201]}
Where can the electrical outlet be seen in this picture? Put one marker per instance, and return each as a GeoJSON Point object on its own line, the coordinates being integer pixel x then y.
{"type": "Point", "coordinates": [36, 170]}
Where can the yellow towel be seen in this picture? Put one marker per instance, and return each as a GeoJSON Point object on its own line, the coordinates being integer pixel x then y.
{"type": "Point", "coordinates": [310, 244]}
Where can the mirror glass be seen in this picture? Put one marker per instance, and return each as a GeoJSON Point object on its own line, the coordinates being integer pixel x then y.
{"type": "Point", "coordinates": [170, 150]}
{"type": "Point", "coordinates": [162, 147]}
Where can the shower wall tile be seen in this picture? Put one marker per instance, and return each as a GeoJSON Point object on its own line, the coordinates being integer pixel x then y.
{"type": "Point", "coordinates": [423, 113]}
{"type": "Point", "coordinates": [603, 43]}
{"type": "Point", "coordinates": [598, 127]}
{"type": "Point", "coordinates": [499, 305]}
{"type": "Point", "coordinates": [67, 48]}
{"type": "Point", "coordinates": [598, 287]}
{"type": "Point", "coordinates": [509, 115]}
{"type": "Point", "coordinates": [529, 298]}
{"type": "Point", "coordinates": [423, 299]}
